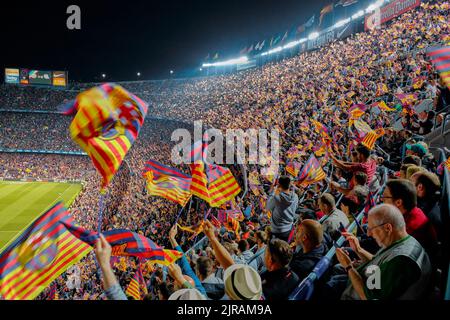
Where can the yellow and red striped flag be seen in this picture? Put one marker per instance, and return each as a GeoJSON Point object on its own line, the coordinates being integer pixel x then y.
{"type": "Point", "coordinates": [133, 290]}
{"type": "Point", "coordinates": [293, 168]}
{"type": "Point", "coordinates": [107, 122]}
{"type": "Point", "coordinates": [216, 185]}
{"type": "Point", "coordinates": [39, 255]}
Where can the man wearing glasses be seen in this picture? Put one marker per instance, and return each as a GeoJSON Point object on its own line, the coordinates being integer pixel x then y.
{"type": "Point", "coordinates": [401, 269]}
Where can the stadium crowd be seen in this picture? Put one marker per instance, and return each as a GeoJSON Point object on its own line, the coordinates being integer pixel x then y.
{"type": "Point", "coordinates": [265, 258]}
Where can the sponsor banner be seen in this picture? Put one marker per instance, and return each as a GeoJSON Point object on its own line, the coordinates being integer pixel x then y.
{"type": "Point", "coordinates": [249, 64]}
{"type": "Point", "coordinates": [12, 75]}
{"type": "Point", "coordinates": [40, 77]}
{"type": "Point", "coordinates": [389, 12]}
{"type": "Point", "coordinates": [329, 35]}
{"type": "Point", "coordinates": [24, 76]}
{"type": "Point", "coordinates": [59, 78]}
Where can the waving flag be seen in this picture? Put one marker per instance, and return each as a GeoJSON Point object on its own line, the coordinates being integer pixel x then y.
{"type": "Point", "coordinates": [39, 255]}
{"type": "Point", "coordinates": [406, 99]}
{"type": "Point", "coordinates": [216, 223]}
{"type": "Point", "coordinates": [128, 244]}
{"type": "Point", "coordinates": [383, 106]}
{"type": "Point", "coordinates": [133, 290]}
{"type": "Point", "coordinates": [254, 183]}
{"type": "Point", "coordinates": [311, 172]}
{"type": "Point", "coordinates": [362, 128]}
{"type": "Point", "coordinates": [167, 182]}
{"type": "Point", "coordinates": [327, 9]}
{"type": "Point", "coordinates": [106, 124]}
{"type": "Point", "coordinates": [440, 57]}
{"type": "Point", "coordinates": [417, 83]}
{"type": "Point", "coordinates": [137, 288]}
{"type": "Point", "coordinates": [212, 183]}
{"type": "Point", "coordinates": [293, 168]}
{"type": "Point", "coordinates": [216, 185]}
{"type": "Point", "coordinates": [382, 89]}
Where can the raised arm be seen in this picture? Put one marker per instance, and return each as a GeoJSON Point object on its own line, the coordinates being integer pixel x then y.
{"type": "Point", "coordinates": [111, 285]}
{"type": "Point", "coordinates": [220, 252]}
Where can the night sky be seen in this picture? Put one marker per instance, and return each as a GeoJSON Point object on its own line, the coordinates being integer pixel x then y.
{"type": "Point", "coordinates": [121, 38]}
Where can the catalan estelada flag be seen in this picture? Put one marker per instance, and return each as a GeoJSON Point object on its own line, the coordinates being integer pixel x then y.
{"type": "Point", "coordinates": [311, 172]}
{"type": "Point", "coordinates": [167, 182]}
{"type": "Point", "coordinates": [39, 255]}
{"type": "Point", "coordinates": [440, 57]}
{"type": "Point", "coordinates": [106, 124]}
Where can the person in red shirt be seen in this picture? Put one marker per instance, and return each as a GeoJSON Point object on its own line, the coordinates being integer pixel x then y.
{"type": "Point", "coordinates": [402, 194]}
{"type": "Point", "coordinates": [366, 164]}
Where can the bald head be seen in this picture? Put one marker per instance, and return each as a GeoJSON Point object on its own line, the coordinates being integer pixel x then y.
{"type": "Point", "coordinates": [313, 230]}
{"type": "Point", "coordinates": [387, 213]}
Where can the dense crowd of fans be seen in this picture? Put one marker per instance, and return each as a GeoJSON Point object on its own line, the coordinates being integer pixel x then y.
{"type": "Point", "coordinates": [265, 258]}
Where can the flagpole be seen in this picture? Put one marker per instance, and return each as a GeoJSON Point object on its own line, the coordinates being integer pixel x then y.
{"type": "Point", "coordinates": [181, 210]}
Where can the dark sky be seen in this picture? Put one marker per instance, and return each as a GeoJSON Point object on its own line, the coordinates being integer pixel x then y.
{"type": "Point", "coordinates": [152, 37]}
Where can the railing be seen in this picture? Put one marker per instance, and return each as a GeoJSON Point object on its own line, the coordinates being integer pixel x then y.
{"type": "Point", "coordinates": [445, 215]}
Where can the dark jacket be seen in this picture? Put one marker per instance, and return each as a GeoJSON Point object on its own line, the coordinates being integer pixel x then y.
{"type": "Point", "coordinates": [303, 263]}
{"type": "Point", "coordinates": [279, 284]}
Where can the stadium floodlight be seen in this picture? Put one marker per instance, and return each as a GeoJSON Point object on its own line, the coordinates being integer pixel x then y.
{"type": "Point", "coordinates": [302, 40]}
{"type": "Point", "coordinates": [239, 60]}
{"type": "Point", "coordinates": [201, 69]}
{"type": "Point", "coordinates": [341, 23]}
{"type": "Point", "coordinates": [138, 74]}
{"type": "Point", "coordinates": [313, 35]}
{"type": "Point", "coordinates": [171, 71]}
{"type": "Point", "coordinates": [103, 75]}
{"type": "Point", "coordinates": [358, 14]}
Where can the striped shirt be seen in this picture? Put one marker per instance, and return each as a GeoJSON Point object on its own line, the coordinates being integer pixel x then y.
{"type": "Point", "coordinates": [369, 168]}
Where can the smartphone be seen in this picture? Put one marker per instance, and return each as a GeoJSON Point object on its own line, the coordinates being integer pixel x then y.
{"type": "Point", "coordinates": [342, 228]}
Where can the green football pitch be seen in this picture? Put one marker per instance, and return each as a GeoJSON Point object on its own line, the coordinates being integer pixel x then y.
{"type": "Point", "coordinates": [22, 202]}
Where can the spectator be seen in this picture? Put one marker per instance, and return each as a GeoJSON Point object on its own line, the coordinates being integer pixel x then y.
{"type": "Point", "coordinates": [283, 204]}
{"type": "Point", "coordinates": [278, 281]}
{"type": "Point", "coordinates": [402, 194]}
{"type": "Point", "coordinates": [427, 187]}
{"type": "Point", "coordinates": [310, 248]}
{"type": "Point", "coordinates": [334, 217]}
{"type": "Point", "coordinates": [257, 260]}
{"type": "Point", "coordinates": [213, 285]}
{"type": "Point", "coordinates": [402, 268]}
